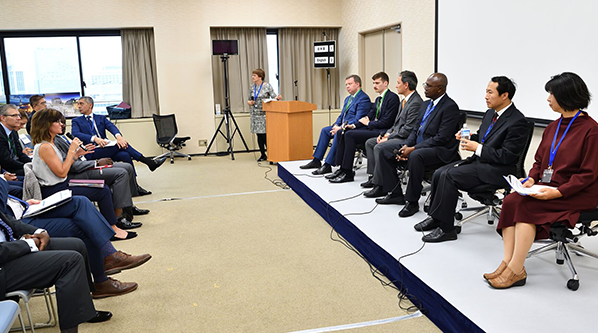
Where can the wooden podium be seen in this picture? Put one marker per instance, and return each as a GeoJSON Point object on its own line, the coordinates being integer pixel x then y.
{"type": "Point", "coordinates": [290, 130]}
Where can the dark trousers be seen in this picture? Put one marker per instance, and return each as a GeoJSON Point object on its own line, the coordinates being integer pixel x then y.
{"type": "Point", "coordinates": [261, 142]}
{"type": "Point", "coordinates": [80, 219]}
{"type": "Point", "coordinates": [446, 183]}
{"type": "Point", "coordinates": [126, 155]}
{"type": "Point", "coordinates": [345, 152]}
{"type": "Point", "coordinates": [100, 195]}
{"type": "Point", "coordinates": [61, 264]}
{"type": "Point", "coordinates": [375, 152]}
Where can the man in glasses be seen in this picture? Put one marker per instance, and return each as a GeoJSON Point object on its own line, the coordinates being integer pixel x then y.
{"type": "Point", "coordinates": [12, 157]}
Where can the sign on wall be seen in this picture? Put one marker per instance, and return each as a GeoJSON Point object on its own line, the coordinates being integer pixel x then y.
{"type": "Point", "coordinates": [325, 54]}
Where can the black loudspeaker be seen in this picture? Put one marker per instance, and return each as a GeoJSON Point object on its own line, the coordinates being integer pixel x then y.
{"type": "Point", "coordinates": [220, 47]}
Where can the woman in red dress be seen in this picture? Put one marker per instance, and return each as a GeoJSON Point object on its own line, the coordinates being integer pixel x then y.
{"type": "Point", "coordinates": [566, 159]}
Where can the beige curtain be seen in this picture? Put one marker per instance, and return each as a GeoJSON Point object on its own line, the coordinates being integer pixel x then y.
{"type": "Point", "coordinates": [140, 86]}
{"type": "Point", "coordinates": [253, 54]}
{"type": "Point", "coordinates": [296, 63]}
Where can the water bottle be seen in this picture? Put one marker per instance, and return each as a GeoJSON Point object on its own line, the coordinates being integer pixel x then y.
{"type": "Point", "coordinates": [465, 132]}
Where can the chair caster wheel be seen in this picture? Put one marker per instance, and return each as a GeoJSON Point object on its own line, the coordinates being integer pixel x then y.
{"type": "Point", "coordinates": [573, 284]}
{"type": "Point", "coordinates": [188, 158]}
{"type": "Point", "coordinates": [426, 208]}
{"type": "Point", "coordinates": [560, 261]}
{"type": "Point", "coordinates": [458, 216]}
{"type": "Point", "coordinates": [458, 229]}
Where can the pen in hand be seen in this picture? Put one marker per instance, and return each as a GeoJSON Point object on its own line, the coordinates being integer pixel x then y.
{"type": "Point", "coordinates": [523, 181]}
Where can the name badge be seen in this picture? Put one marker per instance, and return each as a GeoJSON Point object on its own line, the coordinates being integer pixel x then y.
{"type": "Point", "coordinates": [547, 176]}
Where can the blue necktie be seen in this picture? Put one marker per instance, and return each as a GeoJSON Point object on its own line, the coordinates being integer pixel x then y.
{"type": "Point", "coordinates": [91, 127]}
{"type": "Point", "coordinates": [420, 130]}
{"type": "Point", "coordinates": [7, 231]}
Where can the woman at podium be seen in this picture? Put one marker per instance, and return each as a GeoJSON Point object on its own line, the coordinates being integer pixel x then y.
{"type": "Point", "coordinates": [260, 91]}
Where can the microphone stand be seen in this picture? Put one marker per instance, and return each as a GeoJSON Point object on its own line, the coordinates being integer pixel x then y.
{"type": "Point", "coordinates": [296, 90]}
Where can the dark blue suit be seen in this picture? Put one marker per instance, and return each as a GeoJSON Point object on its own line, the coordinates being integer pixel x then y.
{"type": "Point", "coordinates": [77, 218]}
{"type": "Point", "coordinates": [84, 130]}
{"type": "Point", "coordinates": [380, 121]}
{"type": "Point", "coordinates": [350, 114]}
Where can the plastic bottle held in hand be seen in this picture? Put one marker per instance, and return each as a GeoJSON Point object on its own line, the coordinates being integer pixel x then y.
{"type": "Point", "coordinates": [465, 132]}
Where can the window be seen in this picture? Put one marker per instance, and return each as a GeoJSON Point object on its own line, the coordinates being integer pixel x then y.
{"type": "Point", "coordinates": [62, 66]}
{"type": "Point", "coordinates": [2, 95]}
{"type": "Point", "coordinates": [272, 44]}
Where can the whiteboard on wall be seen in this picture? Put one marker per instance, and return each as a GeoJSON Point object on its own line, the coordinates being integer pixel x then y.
{"type": "Point", "coordinates": [528, 41]}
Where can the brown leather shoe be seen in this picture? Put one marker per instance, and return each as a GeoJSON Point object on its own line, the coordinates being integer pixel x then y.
{"type": "Point", "coordinates": [509, 279]}
{"type": "Point", "coordinates": [497, 272]}
{"type": "Point", "coordinates": [112, 287]}
{"type": "Point", "coordinates": [118, 261]}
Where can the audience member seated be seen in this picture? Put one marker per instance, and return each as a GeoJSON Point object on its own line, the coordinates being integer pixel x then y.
{"type": "Point", "coordinates": [496, 147]}
{"type": "Point", "coordinates": [25, 139]}
{"type": "Point", "coordinates": [37, 103]}
{"type": "Point", "coordinates": [91, 128]}
{"type": "Point", "coordinates": [30, 259]}
{"type": "Point", "coordinates": [12, 157]}
{"type": "Point", "coordinates": [431, 144]}
{"type": "Point", "coordinates": [566, 160]}
{"type": "Point", "coordinates": [120, 177]}
{"type": "Point", "coordinates": [79, 218]}
{"type": "Point", "coordinates": [395, 137]}
{"type": "Point", "coordinates": [356, 105]}
{"type": "Point", "coordinates": [378, 120]}
{"type": "Point", "coordinates": [51, 171]}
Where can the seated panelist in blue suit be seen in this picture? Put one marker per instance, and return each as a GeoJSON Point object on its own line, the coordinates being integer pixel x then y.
{"type": "Point", "coordinates": [355, 107]}
{"type": "Point", "coordinates": [91, 128]}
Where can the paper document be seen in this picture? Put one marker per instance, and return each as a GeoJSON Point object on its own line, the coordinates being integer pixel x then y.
{"type": "Point", "coordinates": [268, 100]}
{"type": "Point", "coordinates": [518, 187]}
{"type": "Point", "coordinates": [110, 143]}
{"type": "Point", "coordinates": [50, 202]}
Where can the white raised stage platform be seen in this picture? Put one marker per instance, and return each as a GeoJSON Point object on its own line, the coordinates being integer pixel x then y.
{"type": "Point", "coordinates": [447, 277]}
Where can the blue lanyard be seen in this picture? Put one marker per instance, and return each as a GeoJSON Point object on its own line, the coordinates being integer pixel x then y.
{"type": "Point", "coordinates": [428, 111]}
{"type": "Point", "coordinates": [24, 203]}
{"type": "Point", "coordinates": [258, 92]}
{"type": "Point", "coordinates": [488, 130]}
{"type": "Point", "coordinates": [553, 149]}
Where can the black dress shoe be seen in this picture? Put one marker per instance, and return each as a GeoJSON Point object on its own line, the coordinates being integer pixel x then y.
{"type": "Point", "coordinates": [409, 209]}
{"type": "Point", "coordinates": [342, 178]}
{"type": "Point", "coordinates": [139, 211]}
{"type": "Point", "coordinates": [391, 199]}
{"type": "Point", "coordinates": [313, 164]}
{"type": "Point", "coordinates": [437, 236]}
{"type": "Point", "coordinates": [368, 184]}
{"type": "Point", "coordinates": [130, 234]}
{"type": "Point", "coordinates": [125, 224]}
{"type": "Point", "coordinates": [100, 317]}
{"type": "Point", "coordinates": [428, 224]}
{"type": "Point", "coordinates": [141, 191]}
{"type": "Point", "coordinates": [375, 192]}
{"type": "Point", "coordinates": [154, 164]}
{"type": "Point", "coordinates": [324, 169]}
{"type": "Point", "coordinates": [334, 174]}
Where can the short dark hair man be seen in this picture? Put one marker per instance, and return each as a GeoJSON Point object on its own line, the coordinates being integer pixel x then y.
{"type": "Point", "coordinates": [395, 137]}
{"type": "Point", "coordinates": [12, 157]}
{"type": "Point", "coordinates": [356, 105]}
{"type": "Point", "coordinates": [37, 103]}
{"type": "Point", "coordinates": [496, 147]}
{"type": "Point", "coordinates": [378, 120]}
{"type": "Point", "coordinates": [431, 143]}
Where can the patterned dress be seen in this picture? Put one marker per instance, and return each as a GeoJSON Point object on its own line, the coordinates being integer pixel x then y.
{"type": "Point", "coordinates": [258, 116]}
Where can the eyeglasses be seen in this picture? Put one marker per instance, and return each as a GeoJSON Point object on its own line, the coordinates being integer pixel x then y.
{"type": "Point", "coordinates": [17, 115]}
{"type": "Point", "coordinates": [425, 85]}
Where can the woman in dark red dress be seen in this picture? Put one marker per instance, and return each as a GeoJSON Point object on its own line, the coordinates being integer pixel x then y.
{"type": "Point", "coordinates": [567, 159]}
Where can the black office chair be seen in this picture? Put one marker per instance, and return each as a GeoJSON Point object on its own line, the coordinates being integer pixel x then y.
{"type": "Point", "coordinates": [562, 240]}
{"type": "Point", "coordinates": [166, 131]}
{"type": "Point", "coordinates": [491, 196]}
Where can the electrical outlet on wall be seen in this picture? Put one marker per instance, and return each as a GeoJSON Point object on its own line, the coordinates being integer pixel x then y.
{"type": "Point", "coordinates": [203, 143]}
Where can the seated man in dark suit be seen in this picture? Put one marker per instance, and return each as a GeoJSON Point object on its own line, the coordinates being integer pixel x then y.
{"type": "Point", "coordinates": [91, 128]}
{"type": "Point", "coordinates": [356, 105]}
{"type": "Point", "coordinates": [432, 143]}
{"type": "Point", "coordinates": [378, 120]}
{"type": "Point", "coordinates": [37, 103]}
{"type": "Point", "coordinates": [30, 259]}
{"type": "Point", "coordinates": [496, 147]}
{"type": "Point", "coordinates": [395, 137]}
{"type": "Point", "coordinates": [12, 156]}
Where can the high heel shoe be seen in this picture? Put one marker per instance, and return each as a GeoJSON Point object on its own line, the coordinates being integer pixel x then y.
{"type": "Point", "coordinates": [497, 272]}
{"type": "Point", "coordinates": [509, 279]}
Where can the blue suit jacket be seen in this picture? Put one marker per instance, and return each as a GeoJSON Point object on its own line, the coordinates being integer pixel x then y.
{"type": "Point", "coordinates": [82, 130]}
{"type": "Point", "coordinates": [359, 108]}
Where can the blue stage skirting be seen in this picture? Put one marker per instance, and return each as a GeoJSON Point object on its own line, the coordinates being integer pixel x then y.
{"type": "Point", "coordinates": [435, 307]}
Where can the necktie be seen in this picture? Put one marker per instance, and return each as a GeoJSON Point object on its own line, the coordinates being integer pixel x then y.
{"type": "Point", "coordinates": [7, 231]}
{"type": "Point", "coordinates": [346, 108]}
{"type": "Point", "coordinates": [495, 117]}
{"type": "Point", "coordinates": [91, 127]}
{"type": "Point", "coordinates": [13, 150]}
{"type": "Point", "coordinates": [403, 104]}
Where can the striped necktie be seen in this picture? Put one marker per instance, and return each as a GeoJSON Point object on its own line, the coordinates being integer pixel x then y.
{"type": "Point", "coordinates": [7, 231]}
